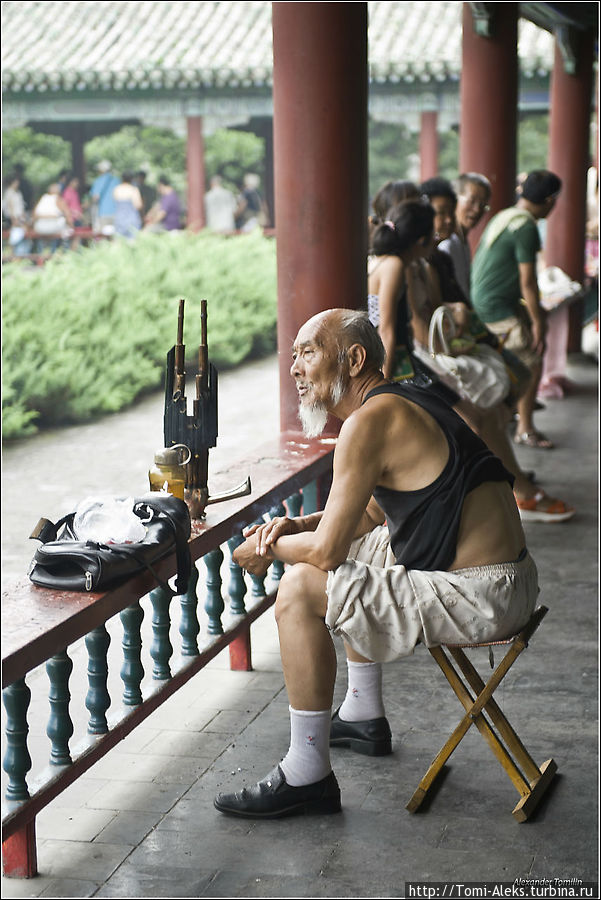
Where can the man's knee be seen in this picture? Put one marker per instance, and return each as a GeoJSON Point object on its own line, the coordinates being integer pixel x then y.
{"type": "Point", "coordinates": [301, 591]}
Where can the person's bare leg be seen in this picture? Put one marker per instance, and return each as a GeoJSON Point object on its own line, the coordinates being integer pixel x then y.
{"type": "Point", "coordinates": [491, 426]}
{"type": "Point", "coordinates": [493, 433]}
{"type": "Point", "coordinates": [306, 647]}
{"type": "Point", "coordinates": [353, 656]}
{"type": "Point", "coordinates": [303, 781]}
{"type": "Point", "coordinates": [525, 405]}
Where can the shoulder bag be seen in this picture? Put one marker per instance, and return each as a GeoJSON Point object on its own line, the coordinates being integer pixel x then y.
{"type": "Point", "coordinates": [63, 562]}
{"type": "Point", "coordinates": [476, 370]}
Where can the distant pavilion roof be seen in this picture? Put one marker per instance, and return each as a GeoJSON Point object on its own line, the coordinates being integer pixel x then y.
{"type": "Point", "coordinates": [145, 46]}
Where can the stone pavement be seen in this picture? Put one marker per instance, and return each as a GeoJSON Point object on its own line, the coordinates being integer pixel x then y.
{"type": "Point", "coordinates": [141, 823]}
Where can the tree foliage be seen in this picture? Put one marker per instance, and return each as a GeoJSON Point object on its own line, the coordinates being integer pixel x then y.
{"type": "Point", "coordinates": [42, 155]}
{"type": "Point", "coordinates": [533, 142]}
{"type": "Point", "coordinates": [392, 153]}
{"type": "Point", "coordinates": [158, 151]}
{"type": "Point", "coordinates": [231, 154]}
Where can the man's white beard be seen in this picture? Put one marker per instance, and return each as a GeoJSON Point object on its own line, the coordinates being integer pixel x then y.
{"type": "Point", "coordinates": [313, 418]}
{"type": "Point", "coordinates": [314, 415]}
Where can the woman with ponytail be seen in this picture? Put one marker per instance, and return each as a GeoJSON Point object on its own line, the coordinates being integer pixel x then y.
{"type": "Point", "coordinates": [400, 236]}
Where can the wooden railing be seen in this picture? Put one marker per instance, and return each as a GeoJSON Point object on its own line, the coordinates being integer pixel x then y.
{"type": "Point", "coordinates": [81, 234]}
{"type": "Point", "coordinates": [39, 626]}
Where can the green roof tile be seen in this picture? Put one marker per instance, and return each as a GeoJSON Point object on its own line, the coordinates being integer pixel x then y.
{"type": "Point", "coordinates": [148, 45]}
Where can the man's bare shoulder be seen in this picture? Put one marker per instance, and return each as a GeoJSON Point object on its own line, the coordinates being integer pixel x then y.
{"type": "Point", "coordinates": [394, 441]}
{"type": "Point", "coordinates": [381, 405]}
{"type": "Point", "coordinates": [377, 415]}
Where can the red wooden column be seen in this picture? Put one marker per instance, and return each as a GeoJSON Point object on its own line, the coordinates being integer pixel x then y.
{"type": "Point", "coordinates": [571, 99]}
{"type": "Point", "coordinates": [489, 102]}
{"type": "Point", "coordinates": [195, 158]}
{"type": "Point", "coordinates": [78, 162]}
{"type": "Point", "coordinates": [19, 853]}
{"type": "Point", "coordinates": [428, 145]}
{"type": "Point", "coordinates": [320, 168]}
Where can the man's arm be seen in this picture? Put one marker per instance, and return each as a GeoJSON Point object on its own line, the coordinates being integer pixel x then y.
{"type": "Point", "coordinates": [531, 295]}
{"type": "Point", "coordinates": [255, 553]}
{"type": "Point", "coordinates": [372, 516]}
{"type": "Point", "coordinates": [325, 537]}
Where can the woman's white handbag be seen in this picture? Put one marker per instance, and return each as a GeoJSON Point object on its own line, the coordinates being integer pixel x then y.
{"type": "Point", "coordinates": [477, 373]}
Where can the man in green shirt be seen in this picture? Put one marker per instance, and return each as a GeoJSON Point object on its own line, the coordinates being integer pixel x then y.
{"type": "Point", "coordinates": [504, 286]}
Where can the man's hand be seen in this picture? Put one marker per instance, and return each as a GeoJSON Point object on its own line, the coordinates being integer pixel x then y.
{"type": "Point", "coordinates": [247, 557]}
{"type": "Point", "coordinates": [268, 533]}
{"type": "Point", "coordinates": [255, 554]}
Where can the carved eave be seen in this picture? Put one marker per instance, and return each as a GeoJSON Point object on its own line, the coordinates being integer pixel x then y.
{"type": "Point", "coordinates": [483, 18]}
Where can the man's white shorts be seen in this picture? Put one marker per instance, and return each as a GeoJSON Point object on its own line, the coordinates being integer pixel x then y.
{"type": "Point", "coordinates": [383, 610]}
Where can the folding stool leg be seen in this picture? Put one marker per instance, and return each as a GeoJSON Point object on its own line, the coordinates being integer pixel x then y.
{"type": "Point", "coordinates": [532, 782]}
{"type": "Point", "coordinates": [523, 758]}
{"type": "Point", "coordinates": [473, 716]}
{"type": "Point", "coordinates": [538, 779]}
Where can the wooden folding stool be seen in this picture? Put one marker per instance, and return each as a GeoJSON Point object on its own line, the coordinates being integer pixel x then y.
{"type": "Point", "coordinates": [530, 780]}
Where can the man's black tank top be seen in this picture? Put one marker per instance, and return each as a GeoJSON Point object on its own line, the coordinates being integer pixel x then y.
{"type": "Point", "coordinates": [423, 524]}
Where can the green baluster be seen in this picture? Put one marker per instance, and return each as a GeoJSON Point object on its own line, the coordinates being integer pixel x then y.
{"type": "Point", "coordinates": [132, 670]}
{"type": "Point", "coordinates": [161, 649]}
{"type": "Point", "coordinates": [277, 568]}
{"type": "Point", "coordinates": [237, 583]}
{"type": "Point", "coordinates": [17, 761]}
{"type": "Point", "coordinates": [214, 604]}
{"type": "Point", "coordinates": [309, 498]}
{"type": "Point", "coordinates": [189, 627]}
{"type": "Point", "coordinates": [294, 504]}
{"type": "Point", "coordinates": [258, 586]}
{"type": "Point", "coordinates": [60, 726]}
{"type": "Point", "coordinates": [98, 699]}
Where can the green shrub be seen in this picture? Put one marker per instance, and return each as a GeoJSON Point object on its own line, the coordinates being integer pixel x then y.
{"type": "Point", "coordinates": [89, 332]}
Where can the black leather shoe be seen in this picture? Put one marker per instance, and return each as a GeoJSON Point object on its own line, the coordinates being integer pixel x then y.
{"type": "Point", "coordinates": [273, 798]}
{"type": "Point", "coordinates": [372, 737]}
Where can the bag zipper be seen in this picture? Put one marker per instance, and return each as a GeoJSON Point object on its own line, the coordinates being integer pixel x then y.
{"type": "Point", "coordinates": [89, 584]}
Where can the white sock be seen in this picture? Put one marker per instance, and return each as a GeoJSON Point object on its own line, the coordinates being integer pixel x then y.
{"type": "Point", "coordinates": [363, 698]}
{"type": "Point", "coordinates": [308, 759]}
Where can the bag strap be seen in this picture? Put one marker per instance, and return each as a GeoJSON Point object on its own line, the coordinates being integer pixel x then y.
{"type": "Point", "coordinates": [131, 551]}
{"type": "Point", "coordinates": [46, 530]}
{"type": "Point", "coordinates": [439, 318]}
{"type": "Point", "coordinates": [182, 551]}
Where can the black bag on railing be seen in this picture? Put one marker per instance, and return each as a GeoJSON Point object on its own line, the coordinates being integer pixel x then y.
{"type": "Point", "coordinates": [65, 563]}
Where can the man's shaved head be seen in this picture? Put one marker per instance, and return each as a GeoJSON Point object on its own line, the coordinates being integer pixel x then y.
{"type": "Point", "coordinates": [343, 328]}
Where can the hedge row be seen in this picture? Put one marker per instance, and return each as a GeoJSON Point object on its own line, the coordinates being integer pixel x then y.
{"type": "Point", "coordinates": [88, 332]}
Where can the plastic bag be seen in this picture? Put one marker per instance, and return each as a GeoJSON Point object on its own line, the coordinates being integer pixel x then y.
{"type": "Point", "coordinates": [108, 520]}
{"type": "Point", "coordinates": [554, 284]}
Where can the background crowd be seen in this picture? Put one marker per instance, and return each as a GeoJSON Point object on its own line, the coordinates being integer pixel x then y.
{"type": "Point", "coordinates": [113, 204]}
{"type": "Point", "coordinates": [459, 325]}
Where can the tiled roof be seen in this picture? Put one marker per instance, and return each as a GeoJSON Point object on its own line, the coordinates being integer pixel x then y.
{"type": "Point", "coordinates": [147, 45]}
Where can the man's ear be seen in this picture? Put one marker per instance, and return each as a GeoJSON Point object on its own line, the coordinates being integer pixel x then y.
{"type": "Point", "coordinates": [356, 358]}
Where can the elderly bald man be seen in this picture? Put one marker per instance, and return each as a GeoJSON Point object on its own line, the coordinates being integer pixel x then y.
{"type": "Point", "coordinates": [450, 564]}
